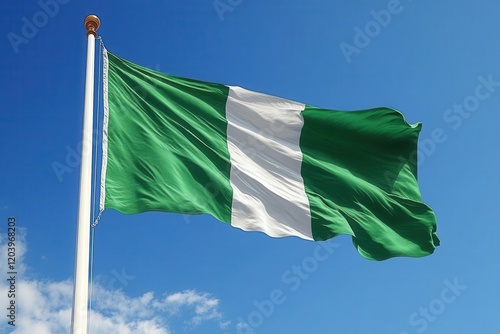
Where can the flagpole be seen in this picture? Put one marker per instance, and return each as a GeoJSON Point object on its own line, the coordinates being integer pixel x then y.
{"type": "Point", "coordinates": [81, 288]}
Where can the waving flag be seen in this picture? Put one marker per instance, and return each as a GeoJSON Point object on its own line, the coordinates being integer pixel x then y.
{"type": "Point", "coordinates": [262, 163]}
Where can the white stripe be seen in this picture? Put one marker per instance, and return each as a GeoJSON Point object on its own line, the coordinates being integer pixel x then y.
{"type": "Point", "coordinates": [263, 141]}
{"type": "Point", "coordinates": [104, 161]}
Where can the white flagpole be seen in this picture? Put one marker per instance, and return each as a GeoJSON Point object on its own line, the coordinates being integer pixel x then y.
{"type": "Point", "coordinates": [81, 288]}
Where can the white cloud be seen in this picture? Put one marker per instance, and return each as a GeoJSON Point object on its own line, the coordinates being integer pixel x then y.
{"type": "Point", "coordinates": [225, 324]}
{"type": "Point", "coordinates": [119, 324]}
{"type": "Point", "coordinates": [205, 307]}
{"type": "Point", "coordinates": [44, 307]}
{"type": "Point", "coordinates": [243, 326]}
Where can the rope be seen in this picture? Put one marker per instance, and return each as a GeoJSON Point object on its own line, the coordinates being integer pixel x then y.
{"type": "Point", "coordinates": [102, 47]}
{"type": "Point", "coordinates": [96, 221]}
{"type": "Point", "coordinates": [98, 117]}
{"type": "Point", "coordinates": [94, 191]}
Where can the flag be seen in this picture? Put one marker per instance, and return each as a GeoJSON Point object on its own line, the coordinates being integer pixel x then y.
{"type": "Point", "coordinates": [262, 163]}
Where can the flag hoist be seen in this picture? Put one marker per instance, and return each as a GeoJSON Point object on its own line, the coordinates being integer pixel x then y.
{"type": "Point", "coordinates": [81, 287]}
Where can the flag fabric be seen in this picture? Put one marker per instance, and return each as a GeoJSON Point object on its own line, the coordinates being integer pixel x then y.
{"type": "Point", "coordinates": [262, 163]}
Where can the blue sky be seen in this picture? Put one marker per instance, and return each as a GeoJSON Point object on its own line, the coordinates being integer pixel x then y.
{"type": "Point", "coordinates": [436, 62]}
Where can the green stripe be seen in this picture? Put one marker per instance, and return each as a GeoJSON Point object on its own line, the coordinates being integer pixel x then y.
{"type": "Point", "coordinates": [167, 150]}
{"type": "Point", "coordinates": [359, 170]}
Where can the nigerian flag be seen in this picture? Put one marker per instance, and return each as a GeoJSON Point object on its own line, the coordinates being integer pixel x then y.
{"type": "Point", "coordinates": [262, 163]}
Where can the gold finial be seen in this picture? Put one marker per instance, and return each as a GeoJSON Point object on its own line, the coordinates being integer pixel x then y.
{"type": "Point", "coordinates": [92, 23]}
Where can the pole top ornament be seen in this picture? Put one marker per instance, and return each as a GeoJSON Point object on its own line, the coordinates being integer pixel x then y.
{"type": "Point", "coordinates": [92, 23]}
